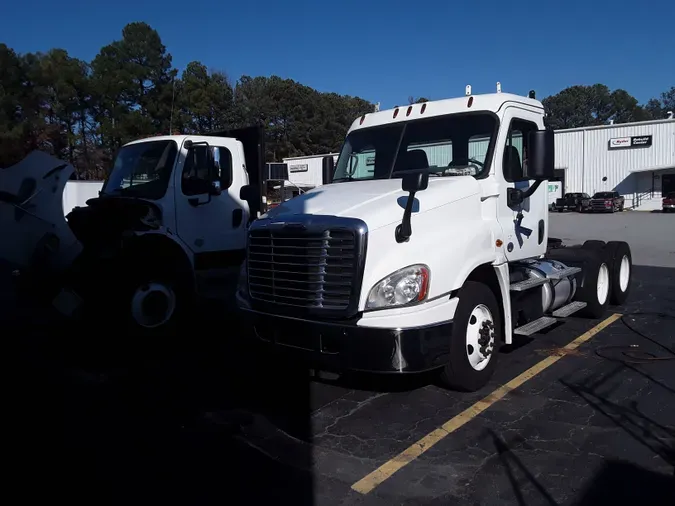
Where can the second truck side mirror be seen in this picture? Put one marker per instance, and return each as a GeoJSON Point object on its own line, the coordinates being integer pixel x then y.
{"type": "Point", "coordinates": [327, 169]}
{"type": "Point", "coordinates": [540, 163]}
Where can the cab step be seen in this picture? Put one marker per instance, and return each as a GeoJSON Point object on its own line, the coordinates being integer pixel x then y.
{"type": "Point", "coordinates": [535, 326]}
{"type": "Point", "coordinates": [526, 284]}
{"type": "Point", "coordinates": [569, 309]}
{"type": "Point", "coordinates": [569, 271]}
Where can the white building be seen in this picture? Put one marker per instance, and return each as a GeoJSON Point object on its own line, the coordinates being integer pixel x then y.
{"type": "Point", "coordinates": [635, 159]}
{"type": "Point", "coordinates": [306, 171]}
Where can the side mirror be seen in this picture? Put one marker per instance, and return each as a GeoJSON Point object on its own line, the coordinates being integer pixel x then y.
{"type": "Point", "coordinates": [415, 181]}
{"type": "Point", "coordinates": [540, 163]}
{"type": "Point", "coordinates": [328, 169]}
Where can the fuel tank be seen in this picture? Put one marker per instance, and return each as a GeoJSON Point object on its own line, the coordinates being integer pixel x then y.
{"type": "Point", "coordinates": [558, 291]}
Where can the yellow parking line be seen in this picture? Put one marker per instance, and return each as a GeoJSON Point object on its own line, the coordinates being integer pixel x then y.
{"type": "Point", "coordinates": [386, 470]}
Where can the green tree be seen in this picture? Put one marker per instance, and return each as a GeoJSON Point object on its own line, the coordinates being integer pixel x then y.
{"type": "Point", "coordinates": [84, 112]}
{"type": "Point", "coordinates": [206, 100]}
{"type": "Point", "coordinates": [17, 121]}
{"type": "Point", "coordinates": [579, 106]}
{"type": "Point", "coordinates": [657, 108]}
{"type": "Point", "coordinates": [64, 82]}
{"type": "Point", "coordinates": [132, 80]}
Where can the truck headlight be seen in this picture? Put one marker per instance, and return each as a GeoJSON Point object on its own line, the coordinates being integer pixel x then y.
{"type": "Point", "coordinates": [405, 286]}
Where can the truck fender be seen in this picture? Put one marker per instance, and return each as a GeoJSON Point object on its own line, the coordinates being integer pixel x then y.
{"type": "Point", "coordinates": [154, 246]}
{"type": "Point", "coordinates": [496, 277]}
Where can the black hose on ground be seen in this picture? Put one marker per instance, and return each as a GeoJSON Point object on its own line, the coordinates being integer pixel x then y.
{"type": "Point", "coordinates": [631, 353]}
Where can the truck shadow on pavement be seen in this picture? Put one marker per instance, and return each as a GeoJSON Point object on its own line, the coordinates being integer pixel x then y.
{"type": "Point", "coordinates": [100, 428]}
{"type": "Point", "coordinates": [98, 425]}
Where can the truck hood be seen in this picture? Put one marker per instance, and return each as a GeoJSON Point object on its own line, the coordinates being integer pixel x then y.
{"type": "Point", "coordinates": [31, 212]}
{"type": "Point", "coordinates": [378, 202]}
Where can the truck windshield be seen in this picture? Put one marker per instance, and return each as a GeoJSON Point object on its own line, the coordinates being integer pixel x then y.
{"type": "Point", "coordinates": [142, 170]}
{"type": "Point", "coordinates": [451, 145]}
{"type": "Point", "coordinates": [603, 195]}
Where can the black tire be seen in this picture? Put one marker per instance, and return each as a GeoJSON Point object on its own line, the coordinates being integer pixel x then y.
{"type": "Point", "coordinates": [594, 244]}
{"type": "Point", "coordinates": [591, 261]}
{"type": "Point", "coordinates": [159, 278]}
{"type": "Point", "coordinates": [587, 290]}
{"type": "Point", "coordinates": [621, 260]}
{"type": "Point", "coordinates": [459, 374]}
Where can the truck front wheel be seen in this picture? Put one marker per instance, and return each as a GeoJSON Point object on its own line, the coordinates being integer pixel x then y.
{"type": "Point", "coordinates": [153, 304]}
{"type": "Point", "coordinates": [153, 301]}
{"type": "Point", "coordinates": [476, 336]}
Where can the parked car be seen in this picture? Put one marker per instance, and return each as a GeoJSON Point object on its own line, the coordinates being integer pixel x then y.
{"type": "Point", "coordinates": [578, 202]}
{"type": "Point", "coordinates": [607, 202]}
{"type": "Point", "coordinates": [669, 203]}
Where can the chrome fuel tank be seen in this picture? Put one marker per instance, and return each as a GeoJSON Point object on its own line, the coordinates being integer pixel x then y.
{"type": "Point", "coordinates": [559, 291]}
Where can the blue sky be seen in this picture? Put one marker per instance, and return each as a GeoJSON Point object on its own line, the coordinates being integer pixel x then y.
{"type": "Point", "coordinates": [382, 50]}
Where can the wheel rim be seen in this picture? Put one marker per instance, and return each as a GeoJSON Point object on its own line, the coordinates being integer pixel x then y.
{"type": "Point", "coordinates": [624, 273]}
{"type": "Point", "coordinates": [480, 337]}
{"type": "Point", "coordinates": [603, 284]}
{"type": "Point", "coordinates": [152, 305]}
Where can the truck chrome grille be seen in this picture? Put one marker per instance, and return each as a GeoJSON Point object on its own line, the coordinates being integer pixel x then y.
{"type": "Point", "coordinates": [307, 269]}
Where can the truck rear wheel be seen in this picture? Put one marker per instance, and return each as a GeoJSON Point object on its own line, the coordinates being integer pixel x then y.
{"type": "Point", "coordinates": [621, 270]}
{"type": "Point", "coordinates": [594, 244]}
{"type": "Point", "coordinates": [595, 280]}
{"type": "Point", "coordinates": [618, 256]}
{"type": "Point", "coordinates": [596, 285]}
{"type": "Point", "coordinates": [476, 336]}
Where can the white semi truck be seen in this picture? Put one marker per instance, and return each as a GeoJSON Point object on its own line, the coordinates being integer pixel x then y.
{"type": "Point", "coordinates": [169, 224]}
{"type": "Point", "coordinates": [414, 262]}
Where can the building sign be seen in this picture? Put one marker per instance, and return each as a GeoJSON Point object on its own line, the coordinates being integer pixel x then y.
{"type": "Point", "coordinates": [298, 168]}
{"type": "Point", "coordinates": [639, 141]}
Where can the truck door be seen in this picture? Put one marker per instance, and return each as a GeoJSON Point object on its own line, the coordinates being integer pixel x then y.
{"type": "Point", "coordinates": [525, 225]}
{"type": "Point", "coordinates": [212, 226]}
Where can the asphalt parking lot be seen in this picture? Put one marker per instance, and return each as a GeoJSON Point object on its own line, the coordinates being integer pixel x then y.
{"type": "Point", "coordinates": [569, 417]}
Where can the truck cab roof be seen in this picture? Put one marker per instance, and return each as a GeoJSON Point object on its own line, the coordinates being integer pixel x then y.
{"type": "Point", "coordinates": [490, 102]}
{"type": "Point", "coordinates": [178, 138]}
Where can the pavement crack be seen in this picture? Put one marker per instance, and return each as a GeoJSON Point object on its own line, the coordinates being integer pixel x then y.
{"type": "Point", "coordinates": [349, 413]}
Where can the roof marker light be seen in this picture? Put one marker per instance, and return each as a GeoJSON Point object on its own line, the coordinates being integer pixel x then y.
{"type": "Point", "coordinates": [395, 112]}
{"type": "Point", "coordinates": [407, 113]}
{"type": "Point", "coordinates": [362, 119]}
{"type": "Point", "coordinates": [424, 108]}
{"type": "Point", "coordinates": [470, 102]}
